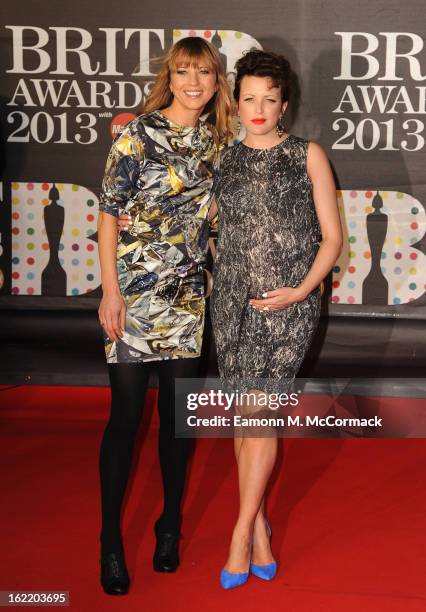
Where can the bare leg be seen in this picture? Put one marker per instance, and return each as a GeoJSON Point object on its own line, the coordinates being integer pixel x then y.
{"type": "Point", "coordinates": [256, 458]}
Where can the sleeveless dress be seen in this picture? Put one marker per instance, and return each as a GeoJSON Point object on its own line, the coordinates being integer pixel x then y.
{"type": "Point", "coordinates": [163, 175]}
{"type": "Point", "coordinates": [268, 234]}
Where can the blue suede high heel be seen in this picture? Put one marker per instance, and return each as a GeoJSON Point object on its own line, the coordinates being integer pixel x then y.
{"type": "Point", "coordinates": [266, 572]}
{"type": "Point", "coordinates": [229, 580]}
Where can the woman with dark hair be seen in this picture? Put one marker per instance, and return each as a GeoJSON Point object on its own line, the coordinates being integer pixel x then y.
{"type": "Point", "coordinates": [160, 171]}
{"type": "Point", "coordinates": [279, 235]}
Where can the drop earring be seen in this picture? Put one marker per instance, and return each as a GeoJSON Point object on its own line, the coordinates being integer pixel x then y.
{"type": "Point", "coordinates": [280, 127]}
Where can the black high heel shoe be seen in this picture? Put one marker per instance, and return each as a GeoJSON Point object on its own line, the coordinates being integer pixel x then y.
{"type": "Point", "coordinates": [114, 575]}
{"type": "Point", "coordinates": [166, 554]}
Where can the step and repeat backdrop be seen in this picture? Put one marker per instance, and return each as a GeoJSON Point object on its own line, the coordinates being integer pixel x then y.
{"type": "Point", "coordinates": [73, 75]}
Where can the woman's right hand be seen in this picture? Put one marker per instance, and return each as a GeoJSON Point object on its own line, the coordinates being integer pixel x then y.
{"type": "Point", "coordinates": [112, 315]}
{"type": "Point", "coordinates": [124, 222]}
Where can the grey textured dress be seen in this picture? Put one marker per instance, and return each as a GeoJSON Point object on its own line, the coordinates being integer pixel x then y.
{"type": "Point", "coordinates": [268, 234]}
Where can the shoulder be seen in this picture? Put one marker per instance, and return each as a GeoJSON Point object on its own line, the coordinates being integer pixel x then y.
{"type": "Point", "coordinates": [132, 137]}
{"type": "Point", "coordinates": [230, 153]}
{"type": "Point", "coordinates": [316, 155]}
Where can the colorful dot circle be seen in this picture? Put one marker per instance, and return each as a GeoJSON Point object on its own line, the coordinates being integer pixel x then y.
{"type": "Point", "coordinates": [30, 186]}
{"type": "Point", "coordinates": [412, 271]}
{"type": "Point", "coordinates": [30, 261]}
{"type": "Point", "coordinates": [335, 299]}
{"type": "Point", "coordinates": [367, 254]}
{"type": "Point", "coordinates": [90, 247]}
{"type": "Point", "coordinates": [75, 247]}
{"type": "Point", "coordinates": [75, 262]}
{"type": "Point", "coordinates": [414, 210]}
{"type": "Point", "coordinates": [30, 275]}
{"type": "Point", "coordinates": [90, 218]}
{"type": "Point", "coordinates": [396, 300]}
{"type": "Point", "coordinates": [351, 269]}
{"type": "Point", "coordinates": [336, 284]}
{"type": "Point", "coordinates": [30, 246]}
{"type": "Point", "coordinates": [74, 291]}
{"type": "Point", "coordinates": [90, 202]}
{"type": "Point", "coordinates": [15, 260]}
{"type": "Point", "coordinates": [398, 255]}
{"type": "Point", "coordinates": [351, 284]}
{"type": "Point", "coordinates": [413, 255]}
{"type": "Point", "coordinates": [412, 286]}
{"type": "Point", "coordinates": [90, 277]}
{"type": "Point", "coordinates": [353, 194]}
{"type": "Point", "coordinates": [90, 262]}
{"type": "Point", "coordinates": [352, 239]}
{"type": "Point", "coordinates": [336, 269]}
{"type": "Point", "coordinates": [397, 270]}
{"type": "Point", "coordinates": [75, 231]}
{"type": "Point", "coordinates": [75, 187]}
{"type": "Point", "coordinates": [207, 34]}
{"type": "Point", "coordinates": [45, 246]}
{"type": "Point", "coordinates": [30, 231]}
{"type": "Point", "coordinates": [30, 291]}
{"type": "Point", "coordinates": [351, 299]}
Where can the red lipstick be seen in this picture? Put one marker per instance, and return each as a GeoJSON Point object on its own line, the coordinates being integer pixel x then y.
{"type": "Point", "coordinates": [258, 121]}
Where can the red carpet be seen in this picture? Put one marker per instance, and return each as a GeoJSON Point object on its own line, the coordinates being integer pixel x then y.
{"type": "Point", "coordinates": [348, 516]}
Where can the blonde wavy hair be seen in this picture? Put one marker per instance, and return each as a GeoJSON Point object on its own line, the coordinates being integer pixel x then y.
{"type": "Point", "coordinates": [192, 51]}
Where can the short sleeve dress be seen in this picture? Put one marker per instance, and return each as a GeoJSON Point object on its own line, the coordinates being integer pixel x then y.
{"type": "Point", "coordinates": [163, 175]}
{"type": "Point", "coordinates": [268, 235]}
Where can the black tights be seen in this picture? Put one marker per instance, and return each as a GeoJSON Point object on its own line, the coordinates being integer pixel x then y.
{"type": "Point", "coordinates": [129, 382]}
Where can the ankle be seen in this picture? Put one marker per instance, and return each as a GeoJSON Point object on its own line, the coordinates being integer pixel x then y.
{"type": "Point", "coordinates": [111, 545]}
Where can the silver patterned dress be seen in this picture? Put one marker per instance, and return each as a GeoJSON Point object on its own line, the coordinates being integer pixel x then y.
{"type": "Point", "coordinates": [268, 234]}
{"type": "Point", "coordinates": [162, 175]}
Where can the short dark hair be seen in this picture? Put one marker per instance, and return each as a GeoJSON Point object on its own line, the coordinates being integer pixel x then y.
{"type": "Point", "coordinates": [264, 64]}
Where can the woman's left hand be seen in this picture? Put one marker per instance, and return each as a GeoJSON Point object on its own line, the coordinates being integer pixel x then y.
{"type": "Point", "coordinates": [278, 299]}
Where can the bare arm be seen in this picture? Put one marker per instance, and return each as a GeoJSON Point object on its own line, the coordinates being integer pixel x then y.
{"type": "Point", "coordinates": [118, 185]}
{"type": "Point", "coordinates": [324, 194]}
{"type": "Point", "coordinates": [112, 310]}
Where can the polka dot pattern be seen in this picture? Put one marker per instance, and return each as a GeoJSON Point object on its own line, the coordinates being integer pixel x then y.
{"type": "Point", "coordinates": [30, 247]}
{"type": "Point", "coordinates": [406, 224]}
{"type": "Point", "coordinates": [234, 44]}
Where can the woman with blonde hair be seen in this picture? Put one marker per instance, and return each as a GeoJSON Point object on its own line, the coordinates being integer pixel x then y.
{"type": "Point", "coordinates": [161, 171]}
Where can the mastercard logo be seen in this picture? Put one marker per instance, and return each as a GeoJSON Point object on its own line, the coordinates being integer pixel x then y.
{"type": "Point", "coordinates": [119, 122]}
